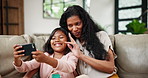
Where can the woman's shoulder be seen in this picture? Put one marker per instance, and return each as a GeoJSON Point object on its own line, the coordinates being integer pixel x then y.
{"type": "Point", "coordinates": [101, 34]}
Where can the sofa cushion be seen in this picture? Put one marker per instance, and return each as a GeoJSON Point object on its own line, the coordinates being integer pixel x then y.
{"type": "Point", "coordinates": [40, 40]}
{"type": "Point", "coordinates": [132, 51]}
{"type": "Point", "coordinates": [112, 39]}
{"type": "Point", "coordinates": [6, 54]}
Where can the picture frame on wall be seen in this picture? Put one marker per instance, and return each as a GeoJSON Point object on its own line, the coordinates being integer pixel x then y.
{"type": "Point", "coordinates": [55, 8]}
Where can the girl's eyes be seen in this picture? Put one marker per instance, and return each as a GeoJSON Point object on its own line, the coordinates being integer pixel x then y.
{"type": "Point", "coordinates": [61, 37]}
{"type": "Point", "coordinates": [53, 38]}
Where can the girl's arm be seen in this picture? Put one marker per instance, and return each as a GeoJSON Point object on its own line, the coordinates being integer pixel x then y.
{"type": "Point", "coordinates": [17, 57]}
{"type": "Point", "coordinates": [31, 73]}
{"type": "Point", "coordinates": [42, 58]}
{"type": "Point", "coordinates": [66, 65]}
{"type": "Point", "coordinates": [19, 64]}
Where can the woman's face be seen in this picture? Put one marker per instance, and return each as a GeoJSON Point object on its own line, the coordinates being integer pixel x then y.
{"type": "Point", "coordinates": [75, 25]}
{"type": "Point", "coordinates": [58, 41]}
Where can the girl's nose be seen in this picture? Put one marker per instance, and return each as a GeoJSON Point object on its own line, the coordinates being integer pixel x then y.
{"type": "Point", "coordinates": [57, 39]}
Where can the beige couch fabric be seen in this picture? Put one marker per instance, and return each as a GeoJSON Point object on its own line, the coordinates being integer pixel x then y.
{"type": "Point", "coordinates": [6, 55]}
{"type": "Point", "coordinates": [132, 51]}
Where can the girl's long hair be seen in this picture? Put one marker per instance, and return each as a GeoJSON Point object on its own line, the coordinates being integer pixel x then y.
{"type": "Point", "coordinates": [47, 47]}
{"type": "Point", "coordinates": [89, 30]}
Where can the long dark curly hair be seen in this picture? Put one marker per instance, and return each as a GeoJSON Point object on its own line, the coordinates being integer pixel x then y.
{"type": "Point", "coordinates": [89, 30]}
{"type": "Point", "coordinates": [47, 47]}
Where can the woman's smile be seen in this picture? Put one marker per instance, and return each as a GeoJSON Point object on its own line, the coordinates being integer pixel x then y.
{"type": "Point", "coordinates": [75, 25]}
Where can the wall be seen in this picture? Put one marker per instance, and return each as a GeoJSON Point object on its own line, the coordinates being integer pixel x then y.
{"type": "Point", "coordinates": [34, 21]}
{"type": "Point", "coordinates": [102, 12]}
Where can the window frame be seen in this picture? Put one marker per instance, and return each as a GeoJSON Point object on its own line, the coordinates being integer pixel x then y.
{"type": "Point", "coordinates": [143, 6]}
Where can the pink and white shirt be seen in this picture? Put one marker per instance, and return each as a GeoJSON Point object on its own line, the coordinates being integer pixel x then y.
{"type": "Point", "coordinates": [66, 66]}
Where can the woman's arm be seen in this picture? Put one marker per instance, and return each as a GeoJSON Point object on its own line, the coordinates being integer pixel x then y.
{"type": "Point", "coordinates": [101, 65]}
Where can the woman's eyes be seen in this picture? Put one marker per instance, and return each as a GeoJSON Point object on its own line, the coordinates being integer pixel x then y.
{"type": "Point", "coordinates": [76, 24]}
{"type": "Point", "coordinates": [70, 25]}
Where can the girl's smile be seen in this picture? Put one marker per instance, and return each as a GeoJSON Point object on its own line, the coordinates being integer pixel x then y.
{"type": "Point", "coordinates": [58, 41]}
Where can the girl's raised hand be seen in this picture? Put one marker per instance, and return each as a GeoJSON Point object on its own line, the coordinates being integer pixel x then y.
{"type": "Point", "coordinates": [16, 52]}
{"type": "Point", "coordinates": [74, 47]}
{"type": "Point", "coordinates": [39, 56]}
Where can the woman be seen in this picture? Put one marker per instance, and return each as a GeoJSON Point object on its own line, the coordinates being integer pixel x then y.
{"type": "Point", "coordinates": [57, 58]}
{"type": "Point", "coordinates": [94, 48]}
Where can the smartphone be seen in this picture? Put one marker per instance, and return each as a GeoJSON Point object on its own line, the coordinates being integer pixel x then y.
{"type": "Point", "coordinates": [28, 48]}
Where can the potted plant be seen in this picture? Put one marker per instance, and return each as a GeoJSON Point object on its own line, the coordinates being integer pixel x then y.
{"type": "Point", "coordinates": [135, 27]}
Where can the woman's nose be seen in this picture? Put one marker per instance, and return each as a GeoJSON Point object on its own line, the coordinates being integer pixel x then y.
{"type": "Point", "coordinates": [75, 28]}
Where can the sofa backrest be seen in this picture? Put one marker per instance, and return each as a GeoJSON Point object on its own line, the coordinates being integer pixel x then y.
{"type": "Point", "coordinates": [39, 41]}
{"type": "Point", "coordinates": [132, 52]}
{"type": "Point", "coordinates": [6, 54]}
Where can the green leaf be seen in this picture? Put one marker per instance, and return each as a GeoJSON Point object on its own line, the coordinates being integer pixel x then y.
{"type": "Point", "coordinates": [135, 27]}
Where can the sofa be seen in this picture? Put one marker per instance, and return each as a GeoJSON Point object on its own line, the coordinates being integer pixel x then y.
{"type": "Point", "coordinates": [132, 52]}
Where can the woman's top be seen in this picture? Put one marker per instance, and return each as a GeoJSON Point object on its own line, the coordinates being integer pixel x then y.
{"type": "Point", "coordinates": [84, 68]}
{"type": "Point", "coordinates": [66, 66]}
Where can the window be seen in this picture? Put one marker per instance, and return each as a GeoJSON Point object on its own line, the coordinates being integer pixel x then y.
{"type": "Point", "coordinates": [86, 5]}
{"type": "Point", "coordinates": [126, 11]}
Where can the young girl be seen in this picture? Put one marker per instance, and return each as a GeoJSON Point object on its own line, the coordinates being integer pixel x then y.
{"type": "Point", "coordinates": [57, 58]}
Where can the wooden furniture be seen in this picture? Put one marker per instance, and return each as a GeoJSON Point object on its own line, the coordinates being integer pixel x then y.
{"type": "Point", "coordinates": [12, 17]}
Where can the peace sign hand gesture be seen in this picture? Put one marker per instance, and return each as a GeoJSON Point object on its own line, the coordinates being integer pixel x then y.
{"type": "Point", "coordinates": [74, 47]}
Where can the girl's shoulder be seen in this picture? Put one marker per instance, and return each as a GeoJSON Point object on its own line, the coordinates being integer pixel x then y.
{"type": "Point", "coordinates": [69, 54]}
{"type": "Point", "coordinates": [47, 54]}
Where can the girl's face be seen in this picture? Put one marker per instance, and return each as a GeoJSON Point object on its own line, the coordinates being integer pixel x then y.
{"type": "Point", "coordinates": [75, 25]}
{"type": "Point", "coordinates": [58, 41]}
